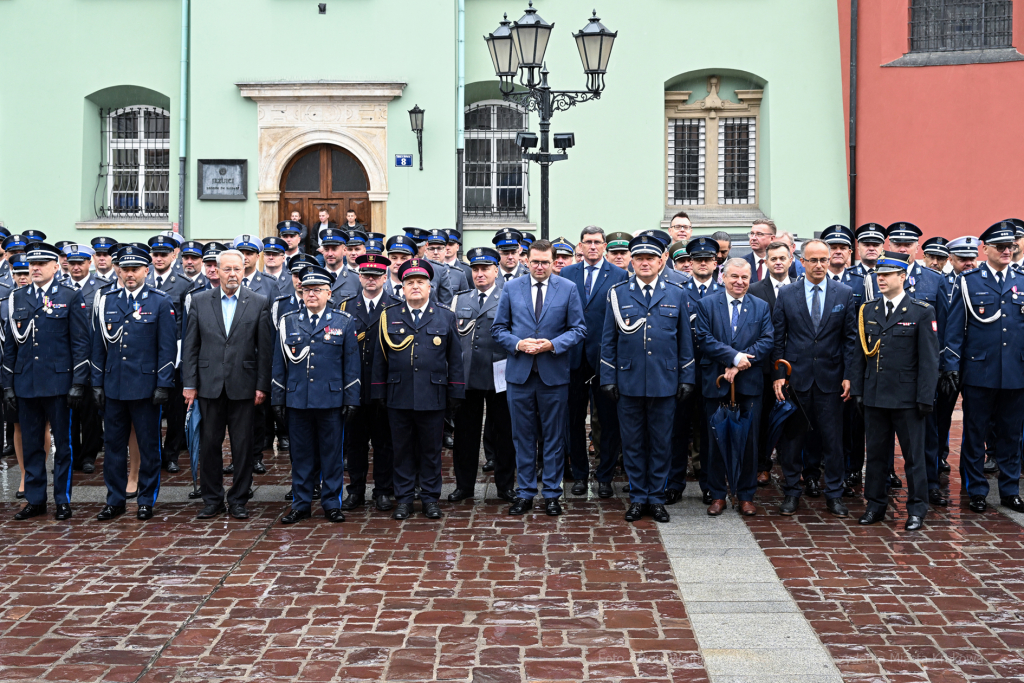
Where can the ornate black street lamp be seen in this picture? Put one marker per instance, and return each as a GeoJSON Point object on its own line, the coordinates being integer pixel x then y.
{"type": "Point", "coordinates": [416, 121]}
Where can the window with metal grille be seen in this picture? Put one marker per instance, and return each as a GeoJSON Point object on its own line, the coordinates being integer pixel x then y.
{"type": "Point", "coordinates": [494, 173]}
{"type": "Point", "coordinates": [686, 140]}
{"type": "Point", "coordinates": [736, 162]}
{"type": "Point", "coordinates": [948, 25]}
{"type": "Point", "coordinates": [135, 170]}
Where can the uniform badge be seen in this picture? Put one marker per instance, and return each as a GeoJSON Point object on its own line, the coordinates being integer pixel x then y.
{"type": "Point", "coordinates": [437, 341]}
{"type": "Point", "coordinates": [110, 326]}
{"type": "Point", "coordinates": [293, 351]}
{"type": "Point", "coordinates": [401, 330]}
{"type": "Point", "coordinates": [981, 311]}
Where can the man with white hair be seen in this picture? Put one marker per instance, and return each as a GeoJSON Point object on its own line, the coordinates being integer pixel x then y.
{"type": "Point", "coordinates": [230, 375]}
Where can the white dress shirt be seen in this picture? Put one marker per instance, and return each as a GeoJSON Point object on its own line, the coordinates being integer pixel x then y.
{"type": "Point", "coordinates": [896, 301]}
{"type": "Point", "coordinates": [533, 290]}
{"type": "Point", "coordinates": [374, 301]}
{"type": "Point", "coordinates": [779, 284]}
{"type": "Point", "coordinates": [729, 298]}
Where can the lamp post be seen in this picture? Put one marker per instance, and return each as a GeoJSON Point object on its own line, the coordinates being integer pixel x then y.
{"type": "Point", "coordinates": [517, 48]}
{"type": "Point", "coordinates": [416, 121]}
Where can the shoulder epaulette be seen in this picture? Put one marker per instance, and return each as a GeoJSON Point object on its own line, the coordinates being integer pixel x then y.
{"type": "Point", "coordinates": [283, 297]}
{"type": "Point", "coordinates": [154, 290]}
{"type": "Point", "coordinates": [443, 307]}
{"type": "Point", "coordinates": [922, 304]}
{"type": "Point", "coordinates": [623, 282]}
{"type": "Point", "coordinates": [345, 313]}
{"type": "Point", "coordinates": [397, 303]}
{"type": "Point", "coordinates": [972, 270]}
{"type": "Point", "coordinates": [680, 285]}
{"type": "Point", "coordinates": [465, 291]}
{"type": "Point", "coordinates": [290, 313]}
{"type": "Point", "coordinates": [66, 286]}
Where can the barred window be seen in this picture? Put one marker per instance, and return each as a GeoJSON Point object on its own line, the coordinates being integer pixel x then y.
{"type": "Point", "coordinates": [686, 162]}
{"type": "Point", "coordinates": [136, 163]}
{"type": "Point", "coordinates": [494, 173]}
{"type": "Point", "coordinates": [736, 163]}
{"type": "Point", "coordinates": [948, 25]}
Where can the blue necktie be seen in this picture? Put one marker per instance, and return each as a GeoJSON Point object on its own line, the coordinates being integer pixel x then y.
{"type": "Point", "coordinates": [589, 283]}
{"type": "Point", "coordinates": [702, 289]}
{"type": "Point", "coordinates": [647, 294]}
{"type": "Point", "coordinates": [735, 316]}
{"type": "Point", "coordinates": [816, 306]}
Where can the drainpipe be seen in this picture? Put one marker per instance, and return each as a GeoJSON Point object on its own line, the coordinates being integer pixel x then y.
{"type": "Point", "coordinates": [460, 107]}
{"type": "Point", "coordinates": [853, 114]}
{"type": "Point", "coordinates": [183, 118]}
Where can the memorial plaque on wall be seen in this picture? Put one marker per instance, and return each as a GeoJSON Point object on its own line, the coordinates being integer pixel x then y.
{"type": "Point", "coordinates": [222, 178]}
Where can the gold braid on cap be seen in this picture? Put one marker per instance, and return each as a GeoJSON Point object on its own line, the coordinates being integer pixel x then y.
{"type": "Point", "coordinates": [385, 338]}
{"type": "Point", "coordinates": [863, 337]}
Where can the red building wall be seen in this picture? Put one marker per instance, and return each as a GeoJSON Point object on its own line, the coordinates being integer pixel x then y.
{"type": "Point", "coordinates": [939, 146]}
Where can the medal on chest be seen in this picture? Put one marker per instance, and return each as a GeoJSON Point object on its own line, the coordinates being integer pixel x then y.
{"type": "Point", "coordinates": [912, 283]}
{"type": "Point", "coordinates": [47, 304]}
{"type": "Point", "coordinates": [437, 341]}
{"type": "Point", "coordinates": [327, 334]}
{"type": "Point", "coordinates": [136, 314]}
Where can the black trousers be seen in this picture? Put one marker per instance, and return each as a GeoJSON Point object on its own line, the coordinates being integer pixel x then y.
{"type": "Point", "coordinates": [370, 425]}
{"type": "Point", "coordinates": [86, 433]}
{"type": "Point", "coordinates": [853, 438]}
{"type": "Point", "coordinates": [944, 407]}
{"type": "Point", "coordinates": [825, 413]}
{"type": "Point", "coordinates": [418, 436]}
{"type": "Point", "coordinates": [219, 414]}
{"type": "Point", "coordinates": [880, 424]}
{"type": "Point", "coordinates": [582, 393]}
{"type": "Point", "coordinates": [174, 439]}
{"type": "Point", "coordinates": [259, 430]}
{"type": "Point", "coordinates": [468, 423]}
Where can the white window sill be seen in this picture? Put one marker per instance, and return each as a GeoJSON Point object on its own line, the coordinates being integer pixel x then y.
{"type": "Point", "coordinates": [104, 224]}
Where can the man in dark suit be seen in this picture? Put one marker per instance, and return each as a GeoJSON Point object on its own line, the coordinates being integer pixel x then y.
{"type": "Point", "coordinates": [313, 238]}
{"type": "Point", "coordinates": [734, 331]}
{"type": "Point", "coordinates": [815, 332]}
{"type": "Point", "coordinates": [226, 364]}
{"type": "Point", "coordinates": [540, 317]}
{"type": "Point", "coordinates": [894, 379]}
{"type": "Point", "coordinates": [593, 276]}
{"type": "Point", "coordinates": [762, 234]}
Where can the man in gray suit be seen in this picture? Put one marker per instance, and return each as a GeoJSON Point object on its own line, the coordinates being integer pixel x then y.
{"type": "Point", "coordinates": [226, 364]}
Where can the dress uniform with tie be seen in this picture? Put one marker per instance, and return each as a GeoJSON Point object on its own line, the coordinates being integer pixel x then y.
{"type": "Point", "coordinates": [894, 378]}
{"type": "Point", "coordinates": [983, 358]}
{"type": "Point", "coordinates": [133, 354]}
{"type": "Point", "coordinates": [317, 377]}
{"type": "Point", "coordinates": [646, 366]}
{"type": "Point", "coordinates": [45, 373]}
{"type": "Point", "coordinates": [371, 424]}
{"type": "Point", "coordinates": [346, 281]}
{"type": "Point", "coordinates": [440, 285]}
{"type": "Point", "coordinates": [418, 373]}
{"type": "Point", "coordinates": [454, 237]}
{"type": "Point", "coordinates": [210, 252]}
{"type": "Point", "coordinates": [505, 241]}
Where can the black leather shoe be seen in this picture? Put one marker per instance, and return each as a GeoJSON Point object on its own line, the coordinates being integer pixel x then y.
{"type": "Point", "coordinates": [8, 451]}
{"type": "Point", "coordinates": [508, 495]}
{"type": "Point", "coordinates": [520, 506]}
{"type": "Point", "coordinates": [579, 487]}
{"type": "Point", "coordinates": [239, 512]}
{"type": "Point", "coordinates": [89, 466]}
{"type": "Point", "coordinates": [211, 511]}
{"type": "Point", "coordinates": [789, 505]}
{"type": "Point", "coordinates": [991, 466]}
{"type": "Point", "coordinates": [853, 479]}
{"type": "Point", "coordinates": [894, 481]}
{"type": "Point", "coordinates": [552, 507]}
{"type": "Point", "coordinates": [316, 491]}
{"type": "Point", "coordinates": [634, 512]}
{"type": "Point", "coordinates": [290, 495]}
{"type": "Point", "coordinates": [626, 489]}
{"type": "Point", "coordinates": [194, 494]}
{"type": "Point", "coordinates": [870, 517]}
{"type": "Point", "coordinates": [935, 498]}
{"type": "Point", "coordinates": [1013, 502]}
{"type": "Point", "coordinates": [604, 489]}
{"type": "Point", "coordinates": [849, 492]}
{"type": "Point", "coordinates": [837, 507]}
{"type": "Point", "coordinates": [706, 497]}
{"type": "Point", "coordinates": [173, 468]}
{"type": "Point", "coordinates": [353, 501]}
{"type": "Point", "coordinates": [334, 515]}
{"type": "Point", "coordinates": [294, 516]}
{"type": "Point", "coordinates": [978, 504]}
{"type": "Point", "coordinates": [63, 512]}
{"type": "Point", "coordinates": [402, 511]}
{"type": "Point", "coordinates": [812, 489]}
{"type": "Point", "coordinates": [283, 444]}
{"type": "Point", "coordinates": [659, 513]}
{"type": "Point", "coordinates": [943, 467]}
{"type": "Point", "coordinates": [673, 496]}
{"type": "Point", "coordinates": [229, 469]}
{"type": "Point", "coordinates": [131, 494]}
{"type": "Point", "coordinates": [488, 466]}
{"type": "Point", "coordinates": [431, 510]}
{"type": "Point", "coordinates": [449, 441]}
{"type": "Point", "coordinates": [19, 495]}
{"type": "Point", "coordinates": [30, 510]}
{"type": "Point", "coordinates": [459, 494]}
{"type": "Point", "coordinates": [258, 467]}
{"type": "Point", "coordinates": [913, 523]}
{"type": "Point", "coordinates": [145, 512]}
{"type": "Point", "coordinates": [110, 511]}
{"type": "Point", "coordinates": [383, 502]}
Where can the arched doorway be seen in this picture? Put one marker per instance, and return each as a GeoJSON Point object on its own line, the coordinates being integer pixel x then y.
{"type": "Point", "coordinates": [324, 177]}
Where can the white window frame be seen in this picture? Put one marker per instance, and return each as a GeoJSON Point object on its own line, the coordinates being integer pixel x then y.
{"type": "Point", "coordinates": [141, 144]}
{"type": "Point", "coordinates": [493, 135]}
{"type": "Point", "coordinates": [701, 161]}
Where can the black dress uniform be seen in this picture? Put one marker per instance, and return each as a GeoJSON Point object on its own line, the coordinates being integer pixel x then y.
{"type": "Point", "coordinates": [371, 423]}
{"type": "Point", "coordinates": [418, 373]}
{"type": "Point", "coordinates": [895, 377]}
{"type": "Point", "coordinates": [45, 371]}
{"type": "Point", "coordinates": [133, 354]}
{"type": "Point", "coordinates": [475, 311]}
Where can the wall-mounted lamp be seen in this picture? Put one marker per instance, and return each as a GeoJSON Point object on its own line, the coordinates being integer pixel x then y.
{"type": "Point", "coordinates": [416, 121]}
{"type": "Point", "coordinates": [323, 7]}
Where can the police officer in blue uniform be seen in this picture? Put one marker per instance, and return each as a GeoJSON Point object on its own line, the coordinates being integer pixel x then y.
{"type": "Point", "coordinates": [453, 261]}
{"type": "Point", "coordinates": [201, 284]}
{"type": "Point", "coordinates": [103, 257]}
{"type": "Point", "coordinates": [133, 354]}
{"type": "Point", "coordinates": [670, 273]}
{"type": "Point", "coordinates": [508, 242]}
{"type": "Point", "coordinates": [371, 424]}
{"type": "Point", "coordinates": [346, 283]}
{"type": "Point", "coordinates": [273, 251]}
{"type": "Point", "coordinates": [418, 373]}
{"type": "Point", "coordinates": [317, 377]}
{"type": "Point", "coordinates": [936, 254]}
{"type": "Point", "coordinates": [375, 242]}
{"type": "Point", "coordinates": [983, 359]}
{"type": "Point", "coordinates": [45, 373]}
{"type": "Point", "coordinates": [647, 368]}
{"type": "Point", "coordinates": [19, 272]}
{"type": "Point", "coordinates": [870, 246]}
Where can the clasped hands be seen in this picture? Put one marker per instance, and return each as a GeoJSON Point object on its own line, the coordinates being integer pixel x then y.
{"type": "Point", "coordinates": [731, 372]}
{"type": "Point", "coordinates": [534, 346]}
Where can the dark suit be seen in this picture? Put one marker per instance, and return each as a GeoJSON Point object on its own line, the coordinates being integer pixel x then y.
{"type": "Point", "coordinates": [584, 359]}
{"type": "Point", "coordinates": [795, 269]}
{"type": "Point", "coordinates": [311, 242]}
{"type": "Point", "coordinates": [176, 286]}
{"type": "Point", "coordinates": [719, 346]}
{"type": "Point", "coordinates": [765, 291]}
{"type": "Point", "coordinates": [227, 369]}
{"type": "Point", "coordinates": [821, 358]}
{"type": "Point", "coordinates": [86, 422]}
{"type": "Point", "coordinates": [893, 383]}
{"type": "Point", "coordinates": [538, 384]}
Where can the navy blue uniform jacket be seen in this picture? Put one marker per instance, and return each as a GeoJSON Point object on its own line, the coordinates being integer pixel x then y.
{"type": "Point", "coordinates": [754, 335]}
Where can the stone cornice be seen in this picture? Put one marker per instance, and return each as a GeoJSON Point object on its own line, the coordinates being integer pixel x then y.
{"type": "Point", "coordinates": [322, 91]}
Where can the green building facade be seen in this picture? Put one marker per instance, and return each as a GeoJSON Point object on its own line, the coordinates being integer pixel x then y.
{"type": "Point", "coordinates": [727, 110]}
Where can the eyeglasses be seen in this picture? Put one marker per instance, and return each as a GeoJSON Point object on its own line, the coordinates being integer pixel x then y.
{"type": "Point", "coordinates": [759, 234]}
{"type": "Point", "coordinates": [593, 243]}
{"type": "Point", "coordinates": [1002, 247]}
{"type": "Point", "coordinates": [311, 290]}
{"type": "Point", "coordinates": [540, 263]}
{"type": "Point", "coordinates": [816, 261]}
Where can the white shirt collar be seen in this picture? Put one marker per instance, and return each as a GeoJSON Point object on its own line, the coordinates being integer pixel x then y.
{"type": "Point", "coordinates": [534, 281]}
{"type": "Point", "coordinates": [777, 283]}
{"type": "Point", "coordinates": [486, 292]}
{"type": "Point", "coordinates": [375, 300]}
{"type": "Point", "coordinates": [832, 276]}
{"type": "Point", "coordinates": [729, 298]}
{"type": "Point", "coordinates": [421, 309]}
{"type": "Point", "coordinates": [45, 288]}
{"type": "Point", "coordinates": [132, 296]}
{"type": "Point", "coordinates": [897, 300]}
{"type": "Point", "coordinates": [994, 271]}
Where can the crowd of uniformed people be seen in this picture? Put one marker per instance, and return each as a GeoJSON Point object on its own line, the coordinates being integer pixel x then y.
{"type": "Point", "coordinates": [680, 358]}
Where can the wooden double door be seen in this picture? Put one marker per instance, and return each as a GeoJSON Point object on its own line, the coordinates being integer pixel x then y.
{"type": "Point", "coordinates": [324, 177]}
